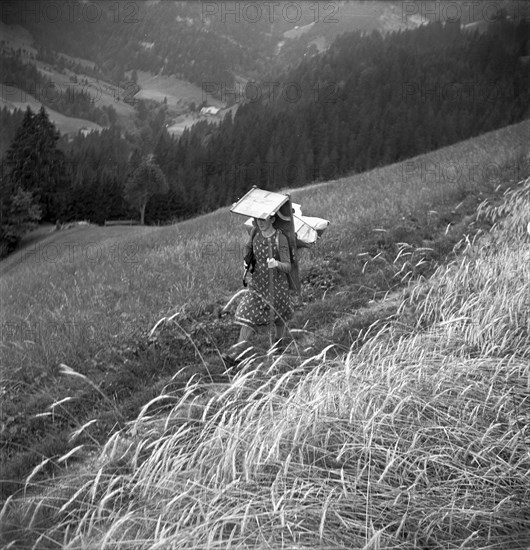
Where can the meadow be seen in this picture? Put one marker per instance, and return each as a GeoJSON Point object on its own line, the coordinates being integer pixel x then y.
{"type": "Point", "coordinates": [15, 98]}
{"type": "Point", "coordinates": [415, 437]}
{"type": "Point", "coordinates": [179, 93]}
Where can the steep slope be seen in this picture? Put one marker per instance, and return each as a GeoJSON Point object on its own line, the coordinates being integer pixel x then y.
{"type": "Point", "coordinates": [416, 438]}
{"type": "Point", "coordinates": [88, 298]}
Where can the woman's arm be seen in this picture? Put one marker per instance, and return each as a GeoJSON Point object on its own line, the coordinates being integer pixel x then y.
{"type": "Point", "coordinates": [284, 264]}
{"type": "Point", "coordinates": [248, 252]}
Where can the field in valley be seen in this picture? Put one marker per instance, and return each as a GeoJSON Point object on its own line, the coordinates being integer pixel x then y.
{"type": "Point", "coordinates": [398, 419]}
{"type": "Point", "coordinates": [179, 93]}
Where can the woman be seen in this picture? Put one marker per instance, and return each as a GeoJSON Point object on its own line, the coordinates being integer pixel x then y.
{"type": "Point", "coordinates": [254, 309]}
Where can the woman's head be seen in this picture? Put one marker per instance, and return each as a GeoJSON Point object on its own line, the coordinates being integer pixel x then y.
{"type": "Point", "coordinates": [264, 225]}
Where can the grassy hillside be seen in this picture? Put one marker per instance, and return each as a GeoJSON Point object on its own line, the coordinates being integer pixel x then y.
{"type": "Point", "coordinates": [420, 440]}
{"type": "Point", "coordinates": [178, 93]}
{"type": "Point", "coordinates": [103, 93]}
{"type": "Point", "coordinates": [45, 245]}
{"type": "Point", "coordinates": [78, 365]}
{"type": "Point", "coordinates": [15, 98]}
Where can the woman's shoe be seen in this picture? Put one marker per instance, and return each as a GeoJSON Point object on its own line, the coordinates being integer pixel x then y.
{"type": "Point", "coordinates": [236, 356]}
{"type": "Point", "coordinates": [229, 360]}
{"type": "Point", "coordinates": [280, 346]}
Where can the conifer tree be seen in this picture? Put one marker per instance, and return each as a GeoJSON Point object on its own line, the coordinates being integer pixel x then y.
{"type": "Point", "coordinates": [145, 182]}
{"type": "Point", "coordinates": [18, 213]}
{"type": "Point", "coordinates": [36, 165]}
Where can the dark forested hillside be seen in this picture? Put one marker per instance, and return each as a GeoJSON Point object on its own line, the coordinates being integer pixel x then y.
{"type": "Point", "coordinates": [203, 41]}
{"type": "Point", "coordinates": [185, 39]}
{"type": "Point", "coordinates": [9, 122]}
{"type": "Point", "coordinates": [368, 101]}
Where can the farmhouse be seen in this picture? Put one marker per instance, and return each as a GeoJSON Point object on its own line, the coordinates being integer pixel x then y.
{"type": "Point", "coordinates": [209, 111]}
{"type": "Point", "coordinates": [85, 131]}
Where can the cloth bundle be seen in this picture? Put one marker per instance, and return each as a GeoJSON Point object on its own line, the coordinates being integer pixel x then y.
{"type": "Point", "coordinates": [307, 228]}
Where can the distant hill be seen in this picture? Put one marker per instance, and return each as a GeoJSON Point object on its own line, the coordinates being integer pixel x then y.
{"type": "Point", "coordinates": [197, 41]}
{"type": "Point", "coordinates": [195, 47]}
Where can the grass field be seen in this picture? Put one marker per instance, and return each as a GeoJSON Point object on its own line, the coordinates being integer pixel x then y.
{"type": "Point", "coordinates": [415, 437]}
{"type": "Point", "coordinates": [182, 122]}
{"type": "Point", "coordinates": [15, 98]}
{"type": "Point", "coordinates": [179, 93]}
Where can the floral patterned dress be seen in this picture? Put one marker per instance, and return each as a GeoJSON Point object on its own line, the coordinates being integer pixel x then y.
{"type": "Point", "coordinates": [254, 307]}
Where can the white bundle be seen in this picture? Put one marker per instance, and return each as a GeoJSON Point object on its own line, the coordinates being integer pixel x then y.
{"type": "Point", "coordinates": [307, 228]}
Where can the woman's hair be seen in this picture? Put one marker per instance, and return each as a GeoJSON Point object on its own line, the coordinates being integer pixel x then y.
{"type": "Point", "coordinates": [255, 220]}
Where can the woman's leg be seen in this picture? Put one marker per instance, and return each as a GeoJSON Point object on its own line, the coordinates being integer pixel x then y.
{"type": "Point", "coordinates": [280, 328]}
{"type": "Point", "coordinates": [280, 334]}
{"type": "Point", "coordinates": [245, 334]}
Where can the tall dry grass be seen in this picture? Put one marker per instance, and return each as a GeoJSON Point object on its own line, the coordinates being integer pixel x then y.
{"type": "Point", "coordinates": [482, 301]}
{"type": "Point", "coordinates": [420, 439]}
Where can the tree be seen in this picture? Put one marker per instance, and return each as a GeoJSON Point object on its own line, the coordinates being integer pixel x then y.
{"type": "Point", "coordinates": [111, 114]}
{"type": "Point", "coordinates": [146, 181]}
{"type": "Point", "coordinates": [35, 164]}
{"type": "Point", "coordinates": [18, 214]}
